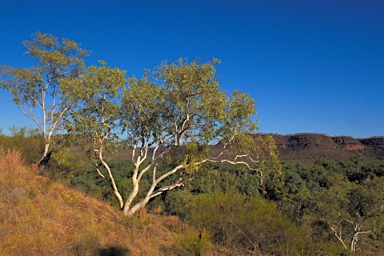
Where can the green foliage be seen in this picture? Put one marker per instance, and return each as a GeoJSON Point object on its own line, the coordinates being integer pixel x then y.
{"type": "Point", "coordinates": [69, 160]}
{"type": "Point", "coordinates": [213, 179]}
{"type": "Point", "coordinates": [194, 153]}
{"type": "Point", "coordinates": [191, 243]}
{"type": "Point", "coordinates": [238, 221]}
{"type": "Point", "coordinates": [175, 203]}
{"type": "Point", "coordinates": [27, 141]}
{"type": "Point", "coordinates": [97, 100]}
{"type": "Point", "coordinates": [185, 104]}
{"type": "Point", "coordinates": [350, 210]}
{"type": "Point", "coordinates": [296, 197]}
{"type": "Point", "coordinates": [335, 203]}
{"type": "Point", "coordinates": [223, 177]}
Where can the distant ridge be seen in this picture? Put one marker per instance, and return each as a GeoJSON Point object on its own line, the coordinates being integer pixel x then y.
{"type": "Point", "coordinates": [309, 147]}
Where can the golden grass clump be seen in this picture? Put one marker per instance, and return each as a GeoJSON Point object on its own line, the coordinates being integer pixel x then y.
{"type": "Point", "coordinates": [11, 161]}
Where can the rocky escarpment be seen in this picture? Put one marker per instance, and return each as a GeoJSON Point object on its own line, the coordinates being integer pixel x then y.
{"type": "Point", "coordinates": [310, 146]}
{"type": "Point", "coordinates": [302, 141]}
{"type": "Point", "coordinates": [348, 143]}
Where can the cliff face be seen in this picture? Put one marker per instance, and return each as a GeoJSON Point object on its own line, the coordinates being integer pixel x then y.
{"type": "Point", "coordinates": [302, 141]}
{"type": "Point", "coordinates": [310, 147]}
{"type": "Point", "coordinates": [348, 143]}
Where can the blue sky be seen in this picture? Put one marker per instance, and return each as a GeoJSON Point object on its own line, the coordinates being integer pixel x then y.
{"type": "Point", "coordinates": [312, 66]}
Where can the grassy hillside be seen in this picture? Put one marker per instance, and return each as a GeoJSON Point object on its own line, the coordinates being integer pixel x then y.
{"type": "Point", "coordinates": [42, 217]}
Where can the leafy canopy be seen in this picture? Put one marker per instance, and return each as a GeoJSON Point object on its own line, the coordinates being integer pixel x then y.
{"type": "Point", "coordinates": [182, 103]}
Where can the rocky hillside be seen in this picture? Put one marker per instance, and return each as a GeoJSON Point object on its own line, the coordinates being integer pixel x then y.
{"type": "Point", "coordinates": [309, 147]}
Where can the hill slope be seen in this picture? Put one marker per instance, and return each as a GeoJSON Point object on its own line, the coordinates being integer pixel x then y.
{"type": "Point", "coordinates": [42, 217]}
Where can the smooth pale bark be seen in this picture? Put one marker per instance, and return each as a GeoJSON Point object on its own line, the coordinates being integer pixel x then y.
{"type": "Point", "coordinates": [355, 237]}
{"type": "Point", "coordinates": [113, 183]}
{"type": "Point", "coordinates": [130, 211]}
{"type": "Point", "coordinates": [44, 157]}
{"type": "Point", "coordinates": [152, 192]}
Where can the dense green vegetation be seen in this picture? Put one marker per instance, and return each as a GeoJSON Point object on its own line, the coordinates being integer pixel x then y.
{"type": "Point", "coordinates": [317, 209]}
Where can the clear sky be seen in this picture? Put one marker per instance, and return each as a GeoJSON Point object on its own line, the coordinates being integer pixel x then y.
{"type": "Point", "coordinates": [312, 65]}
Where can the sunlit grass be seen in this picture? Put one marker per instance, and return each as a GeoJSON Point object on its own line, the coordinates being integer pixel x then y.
{"type": "Point", "coordinates": [41, 217]}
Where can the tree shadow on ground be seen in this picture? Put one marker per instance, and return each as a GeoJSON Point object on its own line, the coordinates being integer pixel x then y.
{"type": "Point", "coordinates": [113, 251]}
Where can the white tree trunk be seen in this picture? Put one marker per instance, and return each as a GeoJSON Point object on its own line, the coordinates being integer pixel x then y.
{"type": "Point", "coordinates": [136, 208]}
{"type": "Point", "coordinates": [99, 154]}
{"type": "Point", "coordinates": [45, 157]}
{"type": "Point", "coordinates": [127, 206]}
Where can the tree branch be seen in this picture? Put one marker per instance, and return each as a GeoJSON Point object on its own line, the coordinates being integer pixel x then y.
{"type": "Point", "coordinates": [339, 236]}
{"type": "Point", "coordinates": [167, 188]}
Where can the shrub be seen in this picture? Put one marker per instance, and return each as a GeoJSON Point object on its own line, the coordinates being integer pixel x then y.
{"type": "Point", "coordinates": [239, 221]}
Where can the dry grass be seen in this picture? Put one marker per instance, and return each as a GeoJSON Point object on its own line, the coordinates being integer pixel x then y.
{"type": "Point", "coordinates": [42, 217]}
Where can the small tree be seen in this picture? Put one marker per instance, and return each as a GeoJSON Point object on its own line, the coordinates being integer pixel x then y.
{"type": "Point", "coordinates": [179, 119]}
{"type": "Point", "coordinates": [39, 87]}
{"type": "Point", "coordinates": [351, 209]}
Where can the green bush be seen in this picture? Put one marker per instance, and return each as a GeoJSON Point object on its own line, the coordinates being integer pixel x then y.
{"type": "Point", "coordinates": [193, 243]}
{"type": "Point", "coordinates": [25, 140]}
{"type": "Point", "coordinates": [176, 201]}
{"type": "Point", "coordinates": [239, 221]}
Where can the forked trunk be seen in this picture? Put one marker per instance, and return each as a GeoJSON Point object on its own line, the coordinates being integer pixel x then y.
{"type": "Point", "coordinates": [130, 212]}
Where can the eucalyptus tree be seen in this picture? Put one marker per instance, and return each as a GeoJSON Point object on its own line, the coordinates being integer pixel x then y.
{"type": "Point", "coordinates": [177, 118]}
{"type": "Point", "coordinates": [38, 90]}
